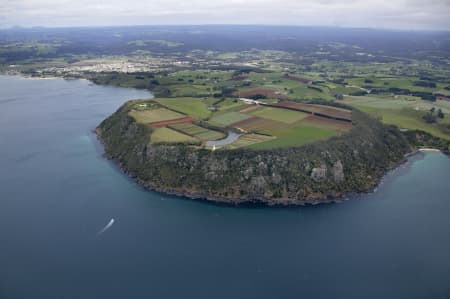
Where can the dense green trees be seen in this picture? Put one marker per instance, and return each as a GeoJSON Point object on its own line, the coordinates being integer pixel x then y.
{"type": "Point", "coordinates": [432, 115]}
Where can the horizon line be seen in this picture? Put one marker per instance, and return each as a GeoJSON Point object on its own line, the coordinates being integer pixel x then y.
{"type": "Point", "coordinates": [12, 27]}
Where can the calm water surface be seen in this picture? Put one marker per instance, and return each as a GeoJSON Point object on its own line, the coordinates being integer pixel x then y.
{"type": "Point", "coordinates": [57, 193]}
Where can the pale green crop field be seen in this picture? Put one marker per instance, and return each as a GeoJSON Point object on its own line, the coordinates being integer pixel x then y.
{"type": "Point", "coordinates": [295, 137]}
{"type": "Point", "coordinates": [400, 102]}
{"type": "Point", "coordinates": [282, 115]}
{"type": "Point", "coordinates": [154, 115]}
{"type": "Point", "coordinates": [405, 114]}
{"type": "Point", "coordinates": [229, 118]}
{"type": "Point", "coordinates": [229, 104]}
{"type": "Point", "coordinates": [248, 140]}
{"type": "Point", "coordinates": [168, 135]}
{"type": "Point", "coordinates": [198, 132]}
{"type": "Point", "coordinates": [197, 107]}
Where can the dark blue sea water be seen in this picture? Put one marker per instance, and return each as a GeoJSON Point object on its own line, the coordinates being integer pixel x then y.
{"type": "Point", "coordinates": [57, 193]}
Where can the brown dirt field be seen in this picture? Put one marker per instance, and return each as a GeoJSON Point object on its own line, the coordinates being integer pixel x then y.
{"type": "Point", "coordinates": [336, 112]}
{"type": "Point", "coordinates": [242, 123]}
{"type": "Point", "coordinates": [296, 105]}
{"type": "Point", "coordinates": [164, 123]}
{"type": "Point", "coordinates": [307, 107]}
{"type": "Point", "coordinates": [328, 122]}
{"type": "Point", "coordinates": [262, 124]}
{"type": "Point", "coordinates": [314, 108]}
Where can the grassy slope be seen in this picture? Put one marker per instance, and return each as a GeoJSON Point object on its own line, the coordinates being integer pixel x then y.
{"type": "Point", "coordinates": [295, 137]}
{"type": "Point", "coordinates": [229, 118]}
{"type": "Point", "coordinates": [154, 115]}
{"type": "Point", "coordinates": [285, 116]}
{"type": "Point", "coordinates": [169, 135]}
{"type": "Point", "coordinates": [192, 106]}
{"type": "Point", "coordinates": [198, 132]}
{"type": "Point", "coordinates": [403, 114]}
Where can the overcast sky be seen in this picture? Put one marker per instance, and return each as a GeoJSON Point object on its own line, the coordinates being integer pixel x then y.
{"type": "Point", "coordinates": [394, 14]}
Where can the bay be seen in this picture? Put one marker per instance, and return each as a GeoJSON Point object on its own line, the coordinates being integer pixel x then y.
{"type": "Point", "coordinates": [57, 193]}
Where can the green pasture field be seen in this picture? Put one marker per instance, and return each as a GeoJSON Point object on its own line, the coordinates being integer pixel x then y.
{"type": "Point", "coordinates": [188, 128]}
{"type": "Point", "coordinates": [259, 86]}
{"type": "Point", "coordinates": [209, 135]}
{"type": "Point", "coordinates": [249, 139]}
{"type": "Point", "coordinates": [198, 76]}
{"type": "Point", "coordinates": [228, 118]}
{"type": "Point", "coordinates": [444, 92]}
{"type": "Point", "coordinates": [290, 88]}
{"type": "Point", "coordinates": [335, 126]}
{"type": "Point", "coordinates": [168, 135]}
{"type": "Point", "coordinates": [305, 93]}
{"type": "Point", "coordinates": [404, 114]}
{"type": "Point", "coordinates": [198, 132]}
{"type": "Point", "coordinates": [410, 119]}
{"type": "Point", "coordinates": [154, 115]}
{"type": "Point", "coordinates": [190, 91]}
{"type": "Point", "coordinates": [277, 114]}
{"type": "Point", "coordinates": [229, 104]}
{"type": "Point", "coordinates": [295, 137]}
{"type": "Point", "coordinates": [266, 126]}
{"type": "Point", "coordinates": [393, 82]}
{"type": "Point", "coordinates": [345, 90]}
{"type": "Point", "coordinates": [197, 107]}
{"type": "Point", "coordinates": [397, 102]}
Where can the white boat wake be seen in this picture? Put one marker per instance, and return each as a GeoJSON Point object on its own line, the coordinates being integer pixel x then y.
{"type": "Point", "coordinates": [110, 223]}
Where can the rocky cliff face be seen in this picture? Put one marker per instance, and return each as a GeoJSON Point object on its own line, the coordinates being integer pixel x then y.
{"type": "Point", "coordinates": [311, 173]}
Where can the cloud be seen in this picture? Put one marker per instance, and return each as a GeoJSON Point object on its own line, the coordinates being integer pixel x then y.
{"type": "Point", "coordinates": [397, 14]}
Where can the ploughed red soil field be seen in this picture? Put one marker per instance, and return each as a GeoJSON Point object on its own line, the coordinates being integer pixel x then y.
{"type": "Point", "coordinates": [339, 125]}
{"type": "Point", "coordinates": [241, 123]}
{"type": "Point", "coordinates": [163, 123]}
{"type": "Point", "coordinates": [319, 109]}
{"type": "Point", "coordinates": [258, 123]}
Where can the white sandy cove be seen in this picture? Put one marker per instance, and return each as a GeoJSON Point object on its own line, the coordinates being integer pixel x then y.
{"type": "Point", "coordinates": [427, 149]}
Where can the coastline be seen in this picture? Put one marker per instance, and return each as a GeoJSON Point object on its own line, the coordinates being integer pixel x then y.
{"type": "Point", "coordinates": [283, 203]}
{"type": "Point", "coordinates": [279, 203]}
{"type": "Point", "coordinates": [153, 167]}
{"type": "Point", "coordinates": [41, 77]}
